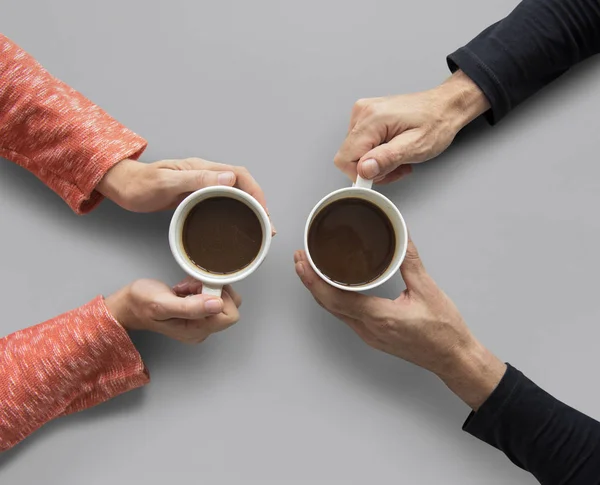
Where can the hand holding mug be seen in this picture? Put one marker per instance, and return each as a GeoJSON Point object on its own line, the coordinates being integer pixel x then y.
{"type": "Point", "coordinates": [389, 133]}
{"type": "Point", "coordinates": [179, 312]}
{"type": "Point", "coordinates": [151, 187]}
{"type": "Point", "coordinates": [422, 326]}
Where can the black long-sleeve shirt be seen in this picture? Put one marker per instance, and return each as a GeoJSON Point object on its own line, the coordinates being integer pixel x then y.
{"type": "Point", "coordinates": [510, 61]}
{"type": "Point", "coordinates": [535, 44]}
{"type": "Point", "coordinates": [556, 443]}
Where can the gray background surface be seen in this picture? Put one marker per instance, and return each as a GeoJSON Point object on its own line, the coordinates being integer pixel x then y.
{"type": "Point", "coordinates": [506, 221]}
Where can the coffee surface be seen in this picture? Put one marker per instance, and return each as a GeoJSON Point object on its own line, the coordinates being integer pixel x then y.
{"type": "Point", "coordinates": [222, 235]}
{"type": "Point", "coordinates": [352, 241]}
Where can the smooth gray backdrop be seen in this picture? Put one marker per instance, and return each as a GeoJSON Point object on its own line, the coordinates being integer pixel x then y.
{"type": "Point", "coordinates": [506, 221]}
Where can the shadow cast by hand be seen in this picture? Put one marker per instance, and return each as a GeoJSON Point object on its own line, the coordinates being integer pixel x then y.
{"type": "Point", "coordinates": [107, 218]}
{"type": "Point", "coordinates": [125, 404]}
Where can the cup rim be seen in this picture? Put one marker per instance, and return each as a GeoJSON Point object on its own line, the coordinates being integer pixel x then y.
{"type": "Point", "coordinates": [188, 266]}
{"type": "Point", "coordinates": [389, 272]}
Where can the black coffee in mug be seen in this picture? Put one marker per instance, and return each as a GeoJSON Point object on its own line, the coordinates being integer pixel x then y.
{"type": "Point", "coordinates": [222, 235]}
{"type": "Point", "coordinates": [351, 241]}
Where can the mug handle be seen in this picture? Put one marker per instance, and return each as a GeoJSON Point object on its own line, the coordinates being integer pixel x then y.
{"type": "Point", "coordinates": [362, 183]}
{"type": "Point", "coordinates": [212, 290]}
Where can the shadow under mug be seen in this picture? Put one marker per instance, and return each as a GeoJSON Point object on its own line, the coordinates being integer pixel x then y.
{"type": "Point", "coordinates": [212, 283]}
{"type": "Point", "coordinates": [362, 189]}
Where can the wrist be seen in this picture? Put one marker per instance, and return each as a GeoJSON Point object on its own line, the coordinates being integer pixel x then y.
{"type": "Point", "coordinates": [473, 374]}
{"type": "Point", "coordinates": [119, 307]}
{"type": "Point", "coordinates": [113, 185]}
{"type": "Point", "coordinates": [463, 101]}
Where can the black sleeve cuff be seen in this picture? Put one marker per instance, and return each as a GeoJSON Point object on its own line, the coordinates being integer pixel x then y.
{"type": "Point", "coordinates": [482, 423]}
{"type": "Point", "coordinates": [468, 62]}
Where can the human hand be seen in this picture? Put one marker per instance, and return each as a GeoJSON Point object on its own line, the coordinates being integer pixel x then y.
{"type": "Point", "coordinates": [387, 134]}
{"type": "Point", "coordinates": [151, 187]}
{"type": "Point", "coordinates": [422, 326]}
{"type": "Point", "coordinates": [179, 312]}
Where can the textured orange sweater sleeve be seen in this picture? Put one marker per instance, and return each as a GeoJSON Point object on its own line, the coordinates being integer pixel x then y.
{"type": "Point", "coordinates": [61, 366]}
{"type": "Point", "coordinates": [55, 132]}
{"type": "Point", "coordinates": [83, 357]}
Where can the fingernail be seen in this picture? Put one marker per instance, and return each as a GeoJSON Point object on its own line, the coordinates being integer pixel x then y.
{"type": "Point", "coordinates": [179, 288]}
{"type": "Point", "coordinates": [300, 269]}
{"type": "Point", "coordinates": [296, 256]}
{"type": "Point", "coordinates": [370, 168]}
{"type": "Point", "coordinates": [226, 178]}
{"type": "Point", "coordinates": [213, 306]}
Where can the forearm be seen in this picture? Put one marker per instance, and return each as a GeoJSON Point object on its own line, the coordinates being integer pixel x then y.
{"type": "Point", "coordinates": [67, 364]}
{"type": "Point", "coordinates": [535, 44]}
{"type": "Point", "coordinates": [55, 132]}
{"type": "Point", "coordinates": [538, 433]}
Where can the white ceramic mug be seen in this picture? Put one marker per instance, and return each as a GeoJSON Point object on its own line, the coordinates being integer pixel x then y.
{"type": "Point", "coordinates": [212, 284]}
{"type": "Point", "coordinates": [362, 189]}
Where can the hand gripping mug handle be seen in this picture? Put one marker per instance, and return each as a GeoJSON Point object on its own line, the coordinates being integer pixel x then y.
{"type": "Point", "coordinates": [213, 290]}
{"type": "Point", "coordinates": [362, 183]}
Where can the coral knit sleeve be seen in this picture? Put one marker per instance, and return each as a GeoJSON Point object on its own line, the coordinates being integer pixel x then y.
{"type": "Point", "coordinates": [83, 357]}
{"type": "Point", "coordinates": [67, 364]}
{"type": "Point", "coordinates": [55, 132]}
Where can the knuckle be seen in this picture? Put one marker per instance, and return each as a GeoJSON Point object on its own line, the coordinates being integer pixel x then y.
{"type": "Point", "coordinates": [412, 255]}
{"type": "Point", "coordinates": [184, 164]}
{"type": "Point", "coordinates": [361, 103]}
{"type": "Point", "coordinates": [243, 171]}
{"type": "Point", "coordinates": [356, 130]}
{"type": "Point", "coordinates": [184, 309]}
{"type": "Point", "coordinates": [338, 160]}
{"type": "Point", "coordinates": [375, 108]}
{"type": "Point", "coordinates": [205, 178]}
{"type": "Point", "coordinates": [371, 109]}
{"type": "Point", "coordinates": [156, 309]}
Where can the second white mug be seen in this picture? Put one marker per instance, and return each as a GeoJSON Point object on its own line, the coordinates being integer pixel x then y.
{"type": "Point", "coordinates": [362, 189]}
